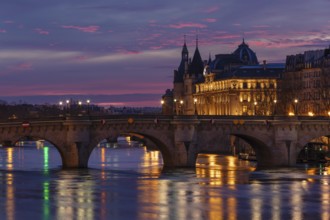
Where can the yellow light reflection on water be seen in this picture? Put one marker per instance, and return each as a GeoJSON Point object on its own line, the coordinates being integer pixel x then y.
{"type": "Point", "coordinates": [74, 199]}
{"type": "Point", "coordinates": [151, 163]}
{"type": "Point", "coordinates": [256, 202]}
{"type": "Point", "coordinates": [276, 202]}
{"type": "Point", "coordinates": [225, 170]}
{"type": "Point", "coordinates": [221, 169]}
{"type": "Point", "coordinates": [325, 199]}
{"type": "Point", "coordinates": [297, 200]}
{"type": "Point", "coordinates": [103, 157]}
{"type": "Point", "coordinates": [10, 197]}
{"type": "Point", "coordinates": [10, 158]}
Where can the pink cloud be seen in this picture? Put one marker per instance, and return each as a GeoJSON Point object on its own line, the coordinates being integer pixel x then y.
{"type": "Point", "coordinates": [41, 31]}
{"type": "Point", "coordinates": [81, 58]}
{"type": "Point", "coordinates": [210, 20]}
{"type": "Point", "coordinates": [226, 36]}
{"type": "Point", "coordinates": [21, 67]}
{"type": "Point", "coordinates": [3, 31]}
{"type": "Point", "coordinates": [156, 47]}
{"type": "Point", "coordinates": [87, 29]}
{"type": "Point", "coordinates": [211, 9]}
{"type": "Point", "coordinates": [187, 25]}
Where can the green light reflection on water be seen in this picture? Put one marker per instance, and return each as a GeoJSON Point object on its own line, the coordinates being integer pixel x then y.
{"type": "Point", "coordinates": [46, 199]}
{"type": "Point", "coordinates": [46, 159]}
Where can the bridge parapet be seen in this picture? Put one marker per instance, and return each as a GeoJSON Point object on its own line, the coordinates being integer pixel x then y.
{"type": "Point", "coordinates": [277, 140]}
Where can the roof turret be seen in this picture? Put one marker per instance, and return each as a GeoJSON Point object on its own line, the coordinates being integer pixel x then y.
{"type": "Point", "coordinates": [245, 54]}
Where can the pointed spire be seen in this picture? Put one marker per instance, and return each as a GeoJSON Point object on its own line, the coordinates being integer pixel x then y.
{"type": "Point", "coordinates": [184, 48]}
{"type": "Point", "coordinates": [197, 40]}
{"type": "Point", "coordinates": [197, 64]}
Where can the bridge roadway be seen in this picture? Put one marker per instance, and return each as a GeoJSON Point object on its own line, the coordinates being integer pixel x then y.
{"type": "Point", "coordinates": [276, 140]}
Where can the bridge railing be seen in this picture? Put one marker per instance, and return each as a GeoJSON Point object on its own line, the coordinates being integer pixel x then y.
{"type": "Point", "coordinates": [139, 117]}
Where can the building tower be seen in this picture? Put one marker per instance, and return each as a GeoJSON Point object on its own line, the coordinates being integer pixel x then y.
{"type": "Point", "coordinates": [178, 87]}
{"type": "Point", "coordinates": [196, 69]}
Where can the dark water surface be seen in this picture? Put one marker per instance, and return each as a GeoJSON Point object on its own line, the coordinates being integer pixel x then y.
{"type": "Point", "coordinates": [129, 183]}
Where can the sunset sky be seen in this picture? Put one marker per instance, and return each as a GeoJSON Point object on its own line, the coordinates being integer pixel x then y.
{"type": "Point", "coordinates": [124, 52]}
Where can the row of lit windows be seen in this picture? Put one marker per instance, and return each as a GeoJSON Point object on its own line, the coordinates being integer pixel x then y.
{"type": "Point", "coordinates": [233, 84]}
{"type": "Point", "coordinates": [243, 97]}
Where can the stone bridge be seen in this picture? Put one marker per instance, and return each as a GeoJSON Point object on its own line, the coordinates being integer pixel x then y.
{"type": "Point", "coordinates": [276, 140]}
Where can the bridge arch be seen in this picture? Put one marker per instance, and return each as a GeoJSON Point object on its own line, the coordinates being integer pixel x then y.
{"type": "Point", "coordinates": [162, 145]}
{"type": "Point", "coordinates": [263, 153]}
{"type": "Point", "coordinates": [34, 137]}
{"type": "Point", "coordinates": [304, 139]}
{"type": "Point", "coordinates": [314, 137]}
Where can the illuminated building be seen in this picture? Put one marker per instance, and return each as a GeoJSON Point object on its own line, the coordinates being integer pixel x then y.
{"type": "Point", "coordinates": [231, 84]}
{"type": "Point", "coordinates": [305, 88]}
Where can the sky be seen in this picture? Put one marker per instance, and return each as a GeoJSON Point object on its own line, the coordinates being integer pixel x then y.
{"type": "Point", "coordinates": [123, 53]}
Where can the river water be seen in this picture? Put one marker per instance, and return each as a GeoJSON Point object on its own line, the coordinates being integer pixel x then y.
{"type": "Point", "coordinates": [129, 183]}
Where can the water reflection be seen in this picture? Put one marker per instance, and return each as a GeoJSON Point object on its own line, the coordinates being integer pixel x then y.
{"type": "Point", "coordinates": [74, 195]}
{"type": "Point", "coordinates": [220, 170]}
{"type": "Point", "coordinates": [139, 159]}
{"type": "Point", "coordinates": [129, 184]}
{"type": "Point", "coordinates": [10, 197]}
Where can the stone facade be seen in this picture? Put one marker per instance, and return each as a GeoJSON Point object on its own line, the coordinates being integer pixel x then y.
{"type": "Point", "coordinates": [231, 84]}
{"type": "Point", "coordinates": [305, 85]}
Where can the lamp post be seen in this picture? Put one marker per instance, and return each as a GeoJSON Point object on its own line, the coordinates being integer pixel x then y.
{"type": "Point", "coordinates": [295, 106]}
{"type": "Point", "coordinates": [255, 108]}
{"type": "Point", "coordinates": [175, 107]}
{"type": "Point", "coordinates": [181, 109]}
{"type": "Point", "coordinates": [67, 106]}
{"type": "Point", "coordinates": [88, 102]}
{"type": "Point", "coordinates": [162, 103]}
{"type": "Point", "coordinates": [61, 107]}
{"type": "Point", "coordinates": [275, 102]}
{"type": "Point", "coordinates": [79, 107]}
{"type": "Point", "coordinates": [195, 105]}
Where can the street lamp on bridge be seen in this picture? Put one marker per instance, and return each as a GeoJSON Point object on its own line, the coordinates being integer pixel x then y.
{"type": "Point", "coordinates": [88, 102]}
{"type": "Point", "coordinates": [67, 105]}
{"type": "Point", "coordinates": [255, 108]}
{"type": "Point", "coordinates": [195, 105]}
{"type": "Point", "coordinates": [275, 102]}
{"type": "Point", "coordinates": [181, 107]}
{"type": "Point", "coordinates": [295, 101]}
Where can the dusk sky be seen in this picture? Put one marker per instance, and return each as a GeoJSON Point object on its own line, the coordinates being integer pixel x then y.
{"type": "Point", "coordinates": [126, 51]}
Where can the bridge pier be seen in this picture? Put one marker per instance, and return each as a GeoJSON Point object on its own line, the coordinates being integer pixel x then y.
{"type": "Point", "coordinates": [185, 154]}
{"type": "Point", "coordinates": [284, 153]}
{"type": "Point", "coordinates": [75, 155]}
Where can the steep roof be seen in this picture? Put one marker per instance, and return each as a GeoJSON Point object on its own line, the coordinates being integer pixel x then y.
{"type": "Point", "coordinates": [197, 64]}
{"type": "Point", "coordinates": [272, 70]}
{"type": "Point", "coordinates": [245, 54]}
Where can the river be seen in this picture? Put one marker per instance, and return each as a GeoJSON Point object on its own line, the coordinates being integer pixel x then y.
{"type": "Point", "coordinates": [129, 183]}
